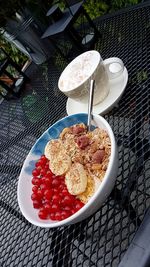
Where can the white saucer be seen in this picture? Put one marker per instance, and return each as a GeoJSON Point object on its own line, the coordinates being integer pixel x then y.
{"type": "Point", "coordinates": [117, 87]}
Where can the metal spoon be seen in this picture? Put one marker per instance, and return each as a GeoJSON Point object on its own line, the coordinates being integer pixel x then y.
{"type": "Point", "coordinates": [90, 104]}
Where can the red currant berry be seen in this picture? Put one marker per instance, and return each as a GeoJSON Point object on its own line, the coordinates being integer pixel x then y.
{"type": "Point", "coordinates": [65, 192]}
{"type": "Point", "coordinates": [34, 189]}
{"type": "Point", "coordinates": [49, 174]}
{"type": "Point", "coordinates": [36, 172]}
{"type": "Point", "coordinates": [36, 204]}
{"type": "Point", "coordinates": [78, 206]}
{"type": "Point", "coordinates": [64, 214]}
{"type": "Point", "coordinates": [36, 181]}
{"type": "Point", "coordinates": [56, 191]}
{"type": "Point", "coordinates": [43, 156]}
{"type": "Point", "coordinates": [73, 211]}
{"type": "Point", "coordinates": [48, 194]}
{"type": "Point", "coordinates": [56, 182]}
{"type": "Point", "coordinates": [52, 216]}
{"type": "Point", "coordinates": [48, 181]}
{"type": "Point", "coordinates": [43, 160]}
{"type": "Point", "coordinates": [58, 216]}
{"type": "Point", "coordinates": [34, 197]}
{"type": "Point", "coordinates": [43, 214]}
{"type": "Point", "coordinates": [55, 207]}
{"type": "Point", "coordinates": [67, 208]}
{"type": "Point", "coordinates": [61, 187]}
{"type": "Point", "coordinates": [43, 187]}
{"type": "Point", "coordinates": [68, 200]}
{"type": "Point", "coordinates": [56, 199]}
{"type": "Point", "coordinates": [47, 206]}
{"type": "Point", "coordinates": [42, 172]}
{"type": "Point", "coordinates": [39, 193]}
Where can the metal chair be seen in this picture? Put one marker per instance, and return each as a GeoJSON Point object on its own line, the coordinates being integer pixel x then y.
{"type": "Point", "coordinates": [11, 77]}
{"type": "Point", "coordinates": [75, 25]}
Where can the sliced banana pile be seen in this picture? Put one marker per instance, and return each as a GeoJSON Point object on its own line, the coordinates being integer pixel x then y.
{"type": "Point", "coordinates": [60, 163]}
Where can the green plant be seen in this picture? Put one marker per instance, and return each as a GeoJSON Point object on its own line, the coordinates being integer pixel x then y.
{"type": "Point", "coordinates": [96, 8]}
{"type": "Point", "coordinates": [13, 52]}
{"type": "Point", "coordinates": [60, 3]}
{"type": "Point", "coordinates": [141, 76]}
{"type": "Point", "coordinates": [118, 4]}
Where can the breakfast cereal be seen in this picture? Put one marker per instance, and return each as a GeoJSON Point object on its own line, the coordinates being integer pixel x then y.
{"type": "Point", "coordinates": [82, 157]}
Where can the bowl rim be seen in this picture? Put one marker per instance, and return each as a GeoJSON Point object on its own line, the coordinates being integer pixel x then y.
{"type": "Point", "coordinates": [68, 220]}
{"type": "Point", "coordinates": [71, 63]}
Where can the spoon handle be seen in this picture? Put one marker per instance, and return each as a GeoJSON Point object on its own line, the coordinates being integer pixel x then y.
{"type": "Point", "coordinates": [90, 104]}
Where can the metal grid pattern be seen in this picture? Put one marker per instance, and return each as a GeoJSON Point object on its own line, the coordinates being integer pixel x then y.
{"type": "Point", "coordinates": [102, 239]}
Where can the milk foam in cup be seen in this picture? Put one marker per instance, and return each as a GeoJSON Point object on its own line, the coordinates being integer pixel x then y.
{"type": "Point", "coordinates": [75, 79]}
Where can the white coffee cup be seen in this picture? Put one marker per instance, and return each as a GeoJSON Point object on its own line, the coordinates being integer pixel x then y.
{"type": "Point", "coordinates": [74, 81]}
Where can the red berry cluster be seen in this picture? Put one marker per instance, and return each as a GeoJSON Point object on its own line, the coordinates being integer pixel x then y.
{"type": "Point", "coordinates": [50, 194]}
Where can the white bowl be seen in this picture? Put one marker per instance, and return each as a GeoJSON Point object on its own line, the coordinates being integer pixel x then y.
{"type": "Point", "coordinates": [105, 188]}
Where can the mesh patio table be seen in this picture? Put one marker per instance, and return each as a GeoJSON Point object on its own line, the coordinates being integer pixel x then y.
{"type": "Point", "coordinates": [104, 238]}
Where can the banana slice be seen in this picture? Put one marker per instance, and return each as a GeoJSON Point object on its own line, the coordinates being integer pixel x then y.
{"type": "Point", "coordinates": [48, 148]}
{"type": "Point", "coordinates": [52, 148]}
{"type": "Point", "coordinates": [76, 179]}
{"type": "Point", "coordinates": [89, 191]}
{"type": "Point", "coordinates": [60, 162]}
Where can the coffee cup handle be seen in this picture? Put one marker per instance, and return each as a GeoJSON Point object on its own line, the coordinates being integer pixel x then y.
{"type": "Point", "coordinates": [114, 67]}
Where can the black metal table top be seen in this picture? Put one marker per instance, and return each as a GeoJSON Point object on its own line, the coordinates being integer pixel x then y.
{"type": "Point", "coordinates": [102, 239]}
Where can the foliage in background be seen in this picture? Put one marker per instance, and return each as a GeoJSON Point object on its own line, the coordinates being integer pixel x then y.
{"type": "Point", "coordinates": [94, 8]}
{"type": "Point", "coordinates": [13, 52]}
{"type": "Point", "coordinates": [117, 4]}
{"type": "Point", "coordinates": [98, 8]}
